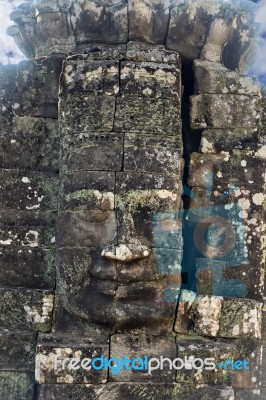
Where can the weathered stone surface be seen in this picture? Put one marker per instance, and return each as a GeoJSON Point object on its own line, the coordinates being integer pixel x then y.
{"type": "Point", "coordinates": [197, 350]}
{"type": "Point", "coordinates": [224, 111]}
{"type": "Point", "coordinates": [36, 139]}
{"type": "Point", "coordinates": [28, 191]}
{"type": "Point", "coordinates": [150, 79]}
{"type": "Point", "coordinates": [26, 309]}
{"type": "Point", "coordinates": [232, 318]}
{"type": "Point", "coordinates": [184, 316]}
{"type": "Point", "coordinates": [25, 236]}
{"type": "Point", "coordinates": [205, 30]}
{"type": "Point", "coordinates": [135, 391]}
{"type": "Point", "coordinates": [93, 151]}
{"type": "Point", "coordinates": [138, 198]}
{"type": "Point", "coordinates": [144, 308]}
{"type": "Point", "coordinates": [72, 324]}
{"type": "Point", "coordinates": [99, 116]}
{"type": "Point", "coordinates": [245, 394]}
{"type": "Point", "coordinates": [148, 21]}
{"type": "Point", "coordinates": [232, 141]}
{"type": "Point", "coordinates": [240, 318]}
{"type": "Point", "coordinates": [249, 378]}
{"type": "Point", "coordinates": [159, 264]}
{"type": "Point", "coordinates": [99, 21]}
{"type": "Point", "coordinates": [7, 90]}
{"type": "Point", "coordinates": [87, 284]}
{"type": "Point", "coordinates": [219, 279]}
{"type": "Point", "coordinates": [58, 361]}
{"type": "Point", "coordinates": [37, 88]}
{"type": "Point", "coordinates": [89, 228]}
{"type": "Point", "coordinates": [147, 115]}
{"type": "Point", "coordinates": [139, 346]}
{"type": "Point", "coordinates": [207, 315]}
{"type": "Point", "coordinates": [139, 51]}
{"type": "Point", "coordinates": [51, 5]}
{"type": "Point", "coordinates": [55, 30]}
{"type": "Point", "coordinates": [88, 190]}
{"type": "Point", "coordinates": [220, 170]}
{"type": "Point", "coordinates": [14, 384]}
{"type": "Point", "coordinates": [213, 77]}
{"type": "Point", "coordinates": [17, 351]}
{"type": "Point", "coordinates": [146, 153]}
{"type": "Point", "coordinates": [94, 77]}
{"type": "Point", "coordinates": [125, 253]}
{"type": "Point", "coordinates": [30, 268]}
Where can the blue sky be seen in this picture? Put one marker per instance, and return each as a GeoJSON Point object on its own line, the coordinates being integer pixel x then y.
{"type": "Point", "coordinates": [9, 52]}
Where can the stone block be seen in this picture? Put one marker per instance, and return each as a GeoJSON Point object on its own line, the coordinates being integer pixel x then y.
{"type": "Point", "coordinates": [249, 378]}
{"type": "Point", "coordinates": [91, 77]}
{"type": "Point", "coordinates": [232, 318]}
{"type": "Point", "coordinates": [150, 79]}
{"type": "Point", "coordinates": [139, 51]}
{"type": "Point", "coordinates": [233, 141]}
{"type": "Point", "coordinates": [240, 318]}
{"type": "Point", "coordinates": [17, 351]}
{"type": "Point", "coordinates": [246, 394]}
{"type": "Point", "coordinates": [187, 31]}
{"type": "Point", "coordinates": [88, 190]}
{"type": "Point", "coordinates": [17, 236]}
{"type": "Point", "coordinates": [213, 77]}
{"type": "Point", "coordinates": [93, 152]}
{"type": "Point", "coordinates": [195, 351]}
{"type": "Point", "coordinates": [226, 172]}
{"type": "Point", "coordinates": [148, 115]}
{"type": "Point", "coordinates": [146, 153]}
{"type": "Point", "coordinates": [7, 90]}
{"type": "Point", "coordinates": [36, 138]}
{"type": "Point", "coordinates": [67, 361]}
{"type": "Point", "coordinates": [26, 309]}
{"type": "Point", "coordinates": [220, 279]}
{"type": "Point", "coordinates": [225, 111]}
{"type": "Point", "coordinates": [16, 385]}
{"type": "Point", "coordinates": [101, 21]}
{"type": "Point", "coordinates": [87, 228]}
{"type": "Point", "coordinates": [135, 391]}
{"type": "Point", "coordinates": [185, 310]}
{"type": "Point", "coordinates": [99, 116]}
{"type": "Point", "coordinates": [28, 191]}
{"type": "Point", "coordinates": [141, 346]}
{"type": "Point", "coordinates": [29, 268]}
{"type": "Point", "coordinates": [37, 88]}
{"type": "Point", "coordinates": [148, 21]}
{"type": "Point", "coordinates": [54, 31]}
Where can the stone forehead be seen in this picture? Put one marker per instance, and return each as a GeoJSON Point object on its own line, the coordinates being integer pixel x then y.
{"type": "Point", "coordinates": [214, 30]}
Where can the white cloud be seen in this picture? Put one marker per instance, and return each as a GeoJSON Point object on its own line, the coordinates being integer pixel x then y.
{"type": "Point", "coordinates": [9, 52]}
{"type": "Point", "coordinates": [259, 66]}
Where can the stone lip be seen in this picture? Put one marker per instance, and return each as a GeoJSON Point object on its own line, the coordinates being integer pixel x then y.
{"type": "Point", "coordinates": [212, 31]}
{"type": "Point", "coordinates": [125, 252]}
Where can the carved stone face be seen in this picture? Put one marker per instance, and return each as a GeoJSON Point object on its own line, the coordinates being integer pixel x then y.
{"type": "Point", "coordinates": [119, 241]}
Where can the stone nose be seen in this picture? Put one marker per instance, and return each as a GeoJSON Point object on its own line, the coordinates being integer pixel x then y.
{"type": "Point", "coordinates": [125, 252]}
